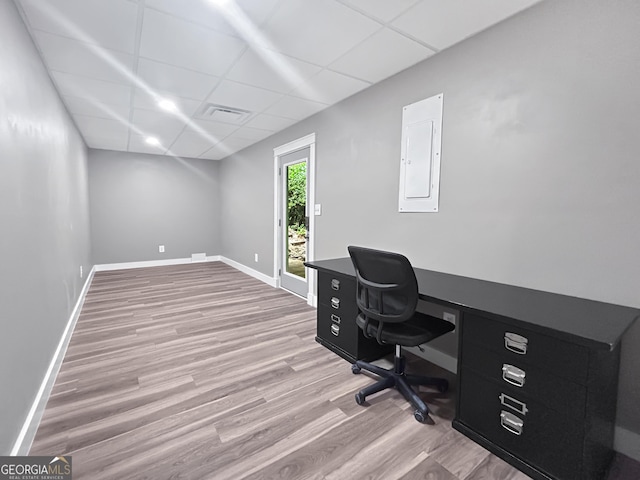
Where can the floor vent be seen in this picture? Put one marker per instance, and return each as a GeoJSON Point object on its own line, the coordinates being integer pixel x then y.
{"type": "Point", "coordinates": [221, 113]}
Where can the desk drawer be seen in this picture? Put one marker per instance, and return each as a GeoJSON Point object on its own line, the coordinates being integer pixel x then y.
{"type": "Point", "coordinates": [336, 290]}
{"type": "Point", "coordinates": [550, 441]}
{"type": "Point", "coordinates": [338, 329]}
{"type": "Point", "coordinates": [520, 346]}
{"type": "Point", "coordinates": [557, 393]}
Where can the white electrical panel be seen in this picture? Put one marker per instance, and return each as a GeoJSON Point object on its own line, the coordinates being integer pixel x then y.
{"type": "Point", "coordinates": [420, 155]}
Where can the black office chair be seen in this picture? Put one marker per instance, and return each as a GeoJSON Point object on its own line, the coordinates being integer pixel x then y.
{"type": "Point", "coordinates": [387, 296]}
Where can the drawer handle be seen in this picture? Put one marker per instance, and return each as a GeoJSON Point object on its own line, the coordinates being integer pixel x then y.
{"type": "Point", "coordinates": [335, 318]}
{"type": "Point", "coordinates": [515, 343]}
{"type": "Point", "coordinates": [511, 423]}
{"type": "Point", "coordinates": [513, 375]}
{"type": "Point", "coordinates": [514, 404]}
{"type": "Point", "coordinates": [335, 284]}
{"type": "Point", "coordinates": [335, 329]}
{"type": "Point", "coordinates": [335, 302]}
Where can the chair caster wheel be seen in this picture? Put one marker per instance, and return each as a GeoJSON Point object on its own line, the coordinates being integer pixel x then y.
{"type": "Point", "coordinates": [423, 417]}
{"type": "Point", "coordinates": [443, 386]}
{"type": "Point", "coordinates": [359, 398]}
{"type": "Point", "coordinates": [355, 369]}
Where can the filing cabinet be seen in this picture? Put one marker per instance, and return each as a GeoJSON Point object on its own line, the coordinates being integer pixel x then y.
{"type": "Point", "coordinates": [337, 312]}
{"type": "Point", "coordinates": [544, 404]}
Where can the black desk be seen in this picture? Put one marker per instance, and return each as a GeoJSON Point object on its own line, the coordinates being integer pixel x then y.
{"type": "Point", "coordinates": [537, 371]}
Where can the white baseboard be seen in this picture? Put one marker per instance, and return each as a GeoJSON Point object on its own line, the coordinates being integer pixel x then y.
{"type": "Point", "coordinates": [312, 300]}
{"type": "Point", "coordinates": [25, 438]}
{"type": "Point", "coordinates": [627, 443]}
{"type": "Point", "coordinates": [151, 263]}
{"type": "Point", "coordinates": [250, 271]}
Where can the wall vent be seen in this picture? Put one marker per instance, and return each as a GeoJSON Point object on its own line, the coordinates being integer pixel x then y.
{"type": "Point", "coordinates": [222, 113]}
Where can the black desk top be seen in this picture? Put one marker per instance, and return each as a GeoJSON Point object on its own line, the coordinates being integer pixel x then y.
{"type": "Point", "coordinates": [592, 323]}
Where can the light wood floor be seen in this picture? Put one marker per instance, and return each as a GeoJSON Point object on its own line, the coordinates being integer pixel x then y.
{"type": "Point", "coordinates": [200, 371]}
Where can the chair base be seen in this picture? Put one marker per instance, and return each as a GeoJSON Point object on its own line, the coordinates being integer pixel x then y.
{"type": "Point", "coordinates": [397, 378]}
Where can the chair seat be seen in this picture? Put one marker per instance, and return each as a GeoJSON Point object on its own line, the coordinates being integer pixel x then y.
{"type": "Point", "coordinates": [421, 328]}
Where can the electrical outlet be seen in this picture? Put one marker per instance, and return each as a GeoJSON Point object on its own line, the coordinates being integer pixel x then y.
{"type": "Point", "coordinates": [161, 248]}
{"type": "Point", "coordinates": [255, 257]}
{"type": "Point", "coordinates": [449, 317]}
{"type": "Point", "coordinates": [80, 271]}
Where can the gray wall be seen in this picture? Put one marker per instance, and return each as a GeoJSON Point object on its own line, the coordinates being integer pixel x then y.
{"type": "Point", "coordinates": [44, 220]}
{"type": "Point", "coordinates": [139, 202]}
{"type": "Point", "coordinates": [540, 176]}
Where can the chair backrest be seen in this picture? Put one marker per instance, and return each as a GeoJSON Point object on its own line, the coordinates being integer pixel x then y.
{"type": "Point", "coordinates": [387, 289]}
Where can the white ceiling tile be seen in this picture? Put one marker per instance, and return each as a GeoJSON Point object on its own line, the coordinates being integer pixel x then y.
{"type": "Point", "coordinates": [318, 31]}
{"type": "Point", "coordinates": [82, 106]}
{"type": "Point", "coordinates": [271, 70]}
{"type": "Point", "coordinates": [190, 144]}
{"type": "Point", "coordinates": [330, 87]}
{"type": "Point", "coordinates": [118, 143]}
{"type": "Point", "coordinates": [226, 148]}
{"type": "Point", "coordinates": [251, 12]}
{"type": "Point", "coordinates": [175, 80]}
{"type": "Point", "coordinates": [270, 122]}
{"type": "Point", "coordinates": [215, 153]}
{"type": "Point", "coordinates": [165, 126]}
{"type": "Point", "coordinates": [392, 53]}
{"type": "Point", "coordinates": [295, 108]}
{"type": "Point", "coordinates": [249, 133]}
{"type": "Point", "coordinates": [96, 90]}
{"type": "Point", "coordinates": [71, 56]}
{"type": "Point", "coordinates": [384, 10]}
{"type": "Point", "coordinates": [441, 24]}
{"type": "Point", "coordinates": [246, 97]}
{"type": "Point", "coordinates": [87, 20]}
{"type": "Point", "coordinates": [189, 45]}
{"type": "Point", "coordinates": [213, 132]}
{"type": "Point", "coordinates": [138, 144]}
{"type": "Point", "coordinates": [147, 101]}
{"type": "Point", "coordinates": [94, 127]}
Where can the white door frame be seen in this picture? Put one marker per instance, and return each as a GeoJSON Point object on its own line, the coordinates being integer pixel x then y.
{"type": "Point", "coordinates": [300, 143]}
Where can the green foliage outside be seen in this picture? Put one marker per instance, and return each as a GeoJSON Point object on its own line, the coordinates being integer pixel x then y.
{"type": "Point", "coordinates": [297, 193]}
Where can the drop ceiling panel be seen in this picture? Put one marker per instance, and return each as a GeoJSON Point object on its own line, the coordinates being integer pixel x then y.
{"type": "Point", "coordinates": [94, 127]}
{"type": "Point", "coordinates": [86, 20]}
{"type": "Point", "coordinates": [253, 12]}
{"type": "Point", "coordinates": [384, 10]}
{"type": "Point", "coordinates": [441, 24]}
{"type": "Point", "coordinates": [393, 52]}
{"type": "Point", "coordinates": [189, 45]}
{"type": "Point", "coordinates": [330, 87]}
{"type": "Point", "coordinates": [295, 108]}
{"type": "Point", "coordinates": [82, 106]}
{"type": "Point", "coordinates": [138, 144]}
{"type": "Point", "coordinates": [245, 97]}
{"type": "Point", "coordinates": [269, 122]}
{"type": "Point", "coordinates": [271, 70]}
{"type": "Point", "coordinates": [319, 31]}
{"type": "Point", "coordinates": [148, 101]}
{"type": "Point", "coordinates": [212, 131]}
{"type": "Point", "coordinates": [190, 144]}
{"type": "Point", "coordinates": [94, 90]}
{"type": "Point", "coordinates": [70, 56]}
{"type": "Point", "coordinates": [249, 133]}
{"type": "Point", "coordinates": [165, 127]}
{"type": "Point", "coordinates": [175, 80]}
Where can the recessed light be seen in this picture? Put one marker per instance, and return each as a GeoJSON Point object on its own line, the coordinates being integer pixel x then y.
{"type": "Point", "coordinates": [167, 105]}
{"type": "Point", "coordinates": [152, 141]}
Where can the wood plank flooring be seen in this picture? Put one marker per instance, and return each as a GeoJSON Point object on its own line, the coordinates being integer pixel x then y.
{"type": "Point", "coordinates": [202, 372]}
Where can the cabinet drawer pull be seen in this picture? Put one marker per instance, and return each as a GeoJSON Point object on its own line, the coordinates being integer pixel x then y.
{"type": "Point", "coordinates": [514, 404]}
{"type": "Point", "coordinates": [513, 375]}
{"type": "Point", "coordinates": [515, 343]}
{"type": "Point", "coordinates": [335, 284]}
{"type": "Point", "coordinates": [335, 318]}
{"type": "Point", "coordinates": [335, 329]}
{"type": "Point", "coordinates": [335, 302]}
{"type": "Point", "coordinates": [511, 423]}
